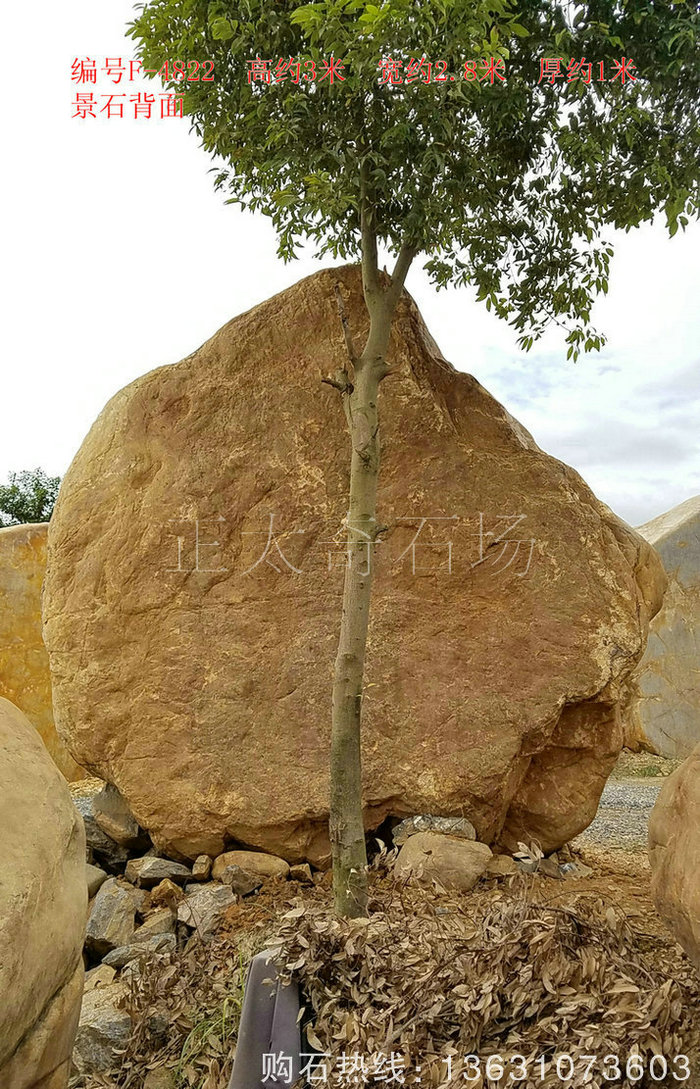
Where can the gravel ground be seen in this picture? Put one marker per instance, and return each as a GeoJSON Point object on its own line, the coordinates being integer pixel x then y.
{"type": "Point", "coordinates": [623, 814]}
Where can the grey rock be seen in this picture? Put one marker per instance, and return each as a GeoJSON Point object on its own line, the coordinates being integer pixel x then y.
{"type": "Point", "coordinates": [149, 871]}
{"type": "Point", "coordinates": [103, 1027]}
{"type": "Point", "coordinates": [448, 826]}
{"type": "Point", "coordinates": [201, 868]}
{"type": "Point", "coordinates": [111, 921]}
{"type": "Point", "coordinates": [202, 906]}
{"type": "Point", "coordinates": [159, 943]}
{"type": "Point", "coordinates": [113, 817]}
{"type": "Point", "coordinates": [95, 878]}
{"type": "Point", "coordinates": [158, 1027]}
{"type": "Point", "coordinates": [240, 881]}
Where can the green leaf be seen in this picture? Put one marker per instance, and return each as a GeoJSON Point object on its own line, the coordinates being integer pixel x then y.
{"type": "Point", "coordinates": [222, 30]}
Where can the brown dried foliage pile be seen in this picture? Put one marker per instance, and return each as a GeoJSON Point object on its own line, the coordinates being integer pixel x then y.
{"type": "Point", "coordinates": [430, 975]}
{"type": "Point", "coordinates": [185, 1010]}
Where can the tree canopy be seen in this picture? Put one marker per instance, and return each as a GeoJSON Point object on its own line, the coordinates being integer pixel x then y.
{"type": "Point", "coordinates": [501, 170]}
{"type": "Point", "coordinates": [503, 184]}
{"type": "Point", "coordinates": [28, 496]}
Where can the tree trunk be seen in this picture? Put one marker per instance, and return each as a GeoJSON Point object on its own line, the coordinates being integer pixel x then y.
{"type": "Point", "coordinates": [346, 824]}
{"type": "Point", "coordinates": [360, 393]}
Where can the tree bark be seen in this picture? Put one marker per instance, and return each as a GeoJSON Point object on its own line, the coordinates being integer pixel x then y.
{"type": "Point", "coordinates": [346, 823]}
{"type": "Point", "coordinates": [360, 394]}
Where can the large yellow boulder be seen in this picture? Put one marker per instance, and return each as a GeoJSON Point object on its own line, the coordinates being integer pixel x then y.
{"type": "Point", "coordinates": [194, 581]}
{"type": "Point", "coordinates": [43, 902]}
{"type": "Point", "coordinates": [674, 851]}
{"type": "Point", "coordinates": [25, 679]}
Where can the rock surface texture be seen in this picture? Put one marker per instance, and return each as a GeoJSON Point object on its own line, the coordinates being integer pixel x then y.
{"type": "Point", "coordinates": [192, 623]}
{"type": "Point", "coordinates": [43, 900]}
{"type": "Point", "coordinates": [104, 1026]}
{"type": "Point", "coordinates": [25, 679]}
{"type": "Point", "coordinates": [454, 863]}
{"type": "Point", "coordinates": [674, 851]}
{"type": "Point", "coordinates": [666, 710]}
{"type": "Point", "coordinates": [112, 918]}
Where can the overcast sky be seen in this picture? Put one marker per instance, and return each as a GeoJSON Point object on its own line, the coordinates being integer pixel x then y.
{"type": "Point", "coordinates": [120, 257]}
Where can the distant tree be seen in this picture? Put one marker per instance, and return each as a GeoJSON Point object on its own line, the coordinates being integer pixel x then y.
{"type": "Point", "coordinates": [551, 121]}
{"type": "Point", "coordinates": [28, 496]}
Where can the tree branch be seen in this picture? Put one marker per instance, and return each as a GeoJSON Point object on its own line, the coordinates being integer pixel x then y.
{"type": "Point", "coordinates": [341, 382]}
{"type": "Point", "coordinates": [398, 276]}
{"type": "Point", "coordinates": [370, 268]}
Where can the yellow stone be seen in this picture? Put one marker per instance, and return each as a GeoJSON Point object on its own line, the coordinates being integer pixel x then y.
{"type": "Point", "coordinates": [24, 665]}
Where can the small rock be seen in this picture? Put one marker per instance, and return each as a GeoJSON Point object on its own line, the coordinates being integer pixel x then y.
{"type": "Point", "coordinates": [301, 873]}
{"type": "Point", "coordinates": [103, 1027]}
{"type": "Point", "coordinates": [160, 921]}
{"type": "Point", "coordinates": [101, 976]}
{"type": "Point", "coordinates": [431, 856]}
{"type": "Point", "coordinates": [550, 868]}
{"type": "Point", "coordinates": [95, 878]}
{"type": "Point", "coordinates": [159, 943]}
{"type": "Point", "coordinates": [150, 870]}
{"type": "Point", "coordinates": [448, 826]}
{"type": "Point", "coordinates": [167, 894]}
{"type": "Point", "coordinates": [502, 866]}
{"type": "Point", "coordinates": [113, 816]}
{"type": "Point", "coordinates": [201, 868]}
{"type": "Point", "coordinates": [255, 862]}
{"type": "Point", "coordinates": [111, 921]}
{"type": "Point", "coordinates": [110, 854]}
{"type": "Point", "coordinates": [241, 882]}
{"type": "Point", "coordinates": [159, 1028]}
{"type": "Point", "coordinates": [202, 906]}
